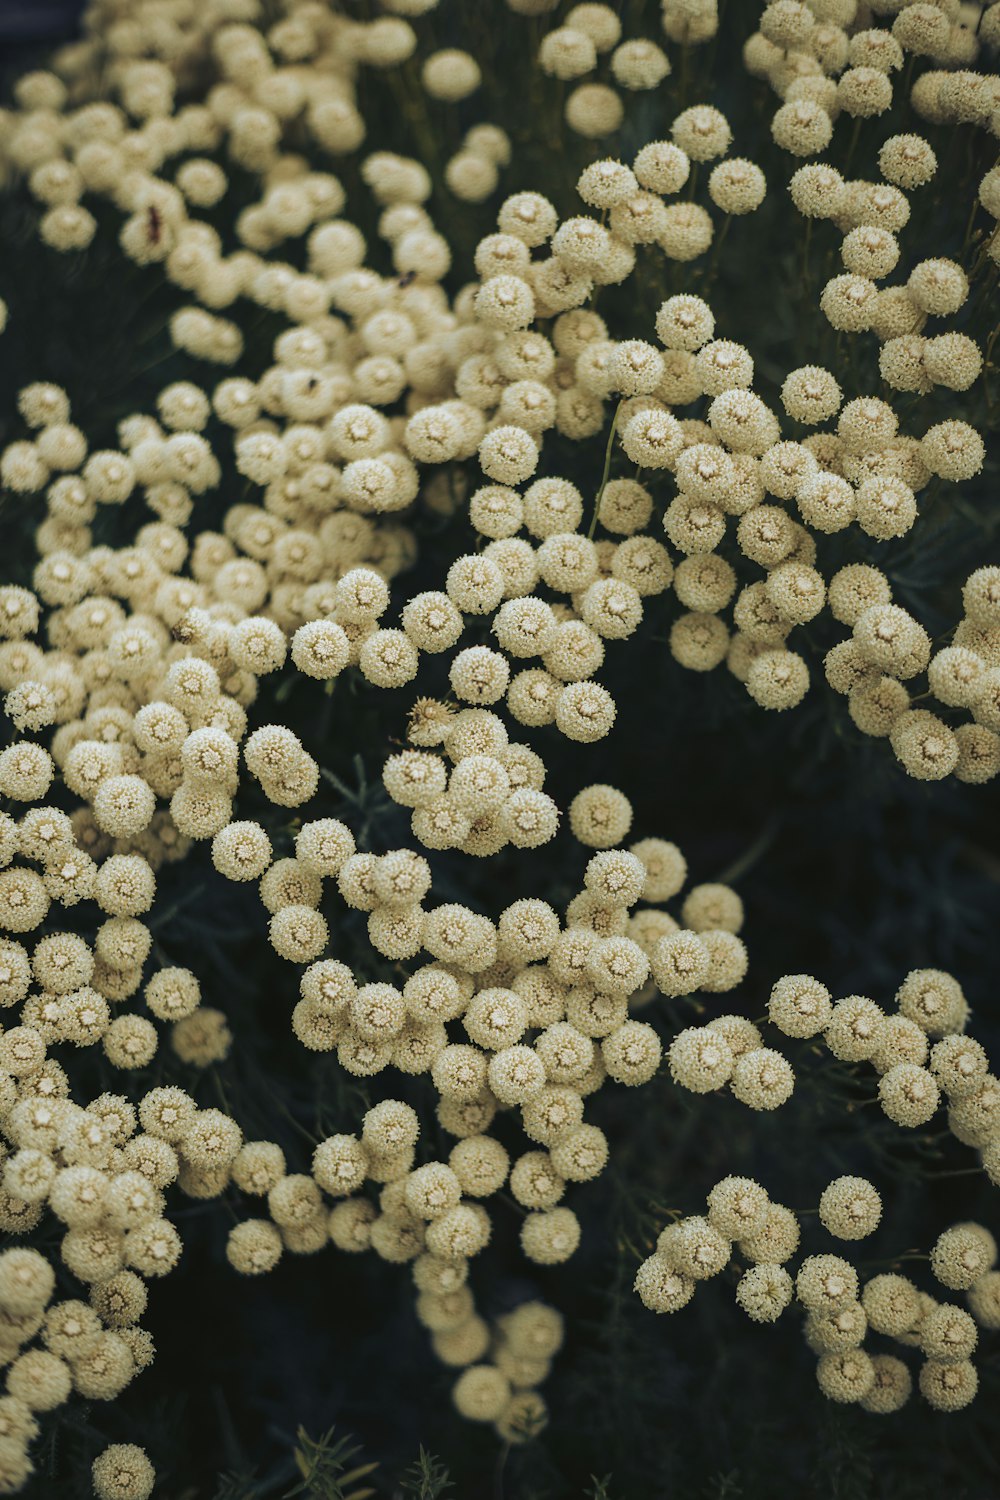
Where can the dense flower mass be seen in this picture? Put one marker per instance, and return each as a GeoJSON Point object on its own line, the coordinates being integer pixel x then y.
{"type": "Point", "coordinates": [273, 521]}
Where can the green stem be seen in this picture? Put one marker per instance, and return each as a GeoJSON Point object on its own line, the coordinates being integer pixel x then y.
{"type": "Point", "coordinates": [988, 366]}
{"type": "Point", "coordinates": [805, 249]}
{"type": "Point", "coordinates": [713, 264]}
{"type": "Point", "coordinates": [967, 237]}
{"type": "Point", "coordinates": [607, 470]}
{"type": "Point", "coordinates": [501, 1464]}
{"type": "Point", "coordinates": [984, 251]}
{"type": "Point", "coordinates": [750, 856]}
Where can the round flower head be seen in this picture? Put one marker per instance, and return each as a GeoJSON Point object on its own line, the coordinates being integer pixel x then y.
{"type": "Point", "coordinates": [938, 286]}
{"type": "Point", "coordinates": [123, 1472]}
{"type": "Point", "coordinates": [580, 1154]}
{"type": "Point", "coordinates": [846, 1377]}
{"type": "Point", "coordinates": [802, 127]}
{"type": "Point", "coordinates": [850, 1208]}
{"type": "Point", "coordinates": [952, 360]}
{"type": "Point", "coordinates": [639, 64]}
{"type": "Point", "coordinates": [849, 302]}
{"type": "Point", "coordinates": [870, 251]}
{"type": "Point", "coordinates": [700, 1060]}
{"type": "Point", "coordinates": [825, 1283]}
{"type": "Point", "coordinates": [892, 1386]}
{"type": "Point", "coordinates": [854, 589]}
{"type": "Point", "coordinates": [662, 167]}
{"type": "Point", "coordinates": [741, 1035]}
{"type": "Point", "coordinates": [978, 754]}
{"type": "Point", "coordinates": [254, 1247]}
{"type": "Point", "coordinates": [764, 1291]}
{"type": "Point", "coordinates": [660, 1287]}
{"type": "Point", "coordinates": [550, 1237]}
{"type": "Point", "coordinates": [684, 322]}
{"type": "Point", "coordinates": [959, 1064]}
{"type": "Point", "coordinates": [948, 1386]}
{"type": "Point", "coordinates": [778, 679]}
{"type": "Point", "coordinates": [799, 1005]}
{"type": "Point", "coordinates": [902, 363]}
{"type": "Point", "coordinates": [737, 417]}
{"type": "Point", "coordinates": [693, 524]}
{"type": "Point", "coordinates": [705, 582]}
{"type": "Point", "coordinates": [984, 1300]}
{"type": "Point", "coordinates": [699, 641]}
{"type": "Point", "coordinates": [593, 110]}
{"type": "Point", "coordinates": [762, 1079]}
{"type": "Point", "coordinates": [981, 596]}
{"type": "Point", "coordinates": [481, 1393]}
{"type": "Point", "coordinates": [962, 1255]}
{"type": "Point", "coordinates": [897, 316]}
{"type": "Point", "coordinates": [604, 184]}
{"type": "Point", "coordinates": [686, 231]}
{"type": "Point", "coordinates": [450, 75]}
{"type": "Point", "coordinates": [934, 1000]}
{"type": "Point", "coordinates": [680, 963]}
{"type": "Point", "coordinates": [924, 745]}
{"type": "Point", "coordinates": [737, 186]}
{"type": "Point", "coordinates": [889, 638]}
{"type": "Point", "coordinates": [695, 1248]}
{"type": "Point", "coordinates": [566, 53]}
{"type": "Point", "coordinates": [632, 1053]}
{"type": "Point", "coordinates": [528, 217]}
{"type": "Point", "coordinates": [972, 1118]}
{"type": "Point", "coordinates": [876, 703]}
{"type": "Point", "coordinates": [702, 132]}
{"type": "Point", "coordinates": [907, 161]}
{"type": "Point", "coordinates": [665, 867]}
{"type": "Point", "coordinates": [775, 1240]}
{"type": "Point", "coordinates": [885, 507]}
{"type": "Point", "coordinates": [737, 1207]}
{"type": "Point", "coordinates": [827, 502]}
{"type": "Point", "coordinates": [796, 591]}
{"type": "Point", "coordinates": [636, 368]}
{"type": "Point", "coordinates": [908, 1094]}
{"type": "Point", "coordinates": [727, 960]}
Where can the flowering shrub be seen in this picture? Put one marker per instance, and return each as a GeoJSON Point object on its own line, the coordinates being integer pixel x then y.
{"type": "Point", "coordinates": [455, 452]}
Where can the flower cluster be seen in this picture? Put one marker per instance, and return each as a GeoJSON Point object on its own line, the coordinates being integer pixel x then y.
{"type": "Point", "coordinates": [840, 1310]}
{"type": "Point", "coordinates": [143, 669]}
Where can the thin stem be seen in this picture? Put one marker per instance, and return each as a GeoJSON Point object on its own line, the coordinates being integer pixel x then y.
{"type": "Point", "coordinates": [607, 469]}
{"type": "Point", "coordinates": [713, 264]}
{"type": "Point", "coordinates": [967, 237]}
{"type": "Point", "coordinates": [805, 249]}
{"type": "Point", "coordinates": [984, 251]}
{"type": "Point", "coordinates": [501, 1464]}
{"type": "Point", "coordinates": [750, 856]}
{"type": "Point", "coordinates": [988, 366]}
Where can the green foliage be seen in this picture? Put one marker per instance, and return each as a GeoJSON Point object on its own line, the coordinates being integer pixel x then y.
{"type": "Point", "coordinates": [325, 1466]}
{"type": "Point", "coordinates": [599, 1489]}
{"type": "Point", "coordinates": [426, 1478]}
{"type": "Point", "coordinates": [240, 1486]}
